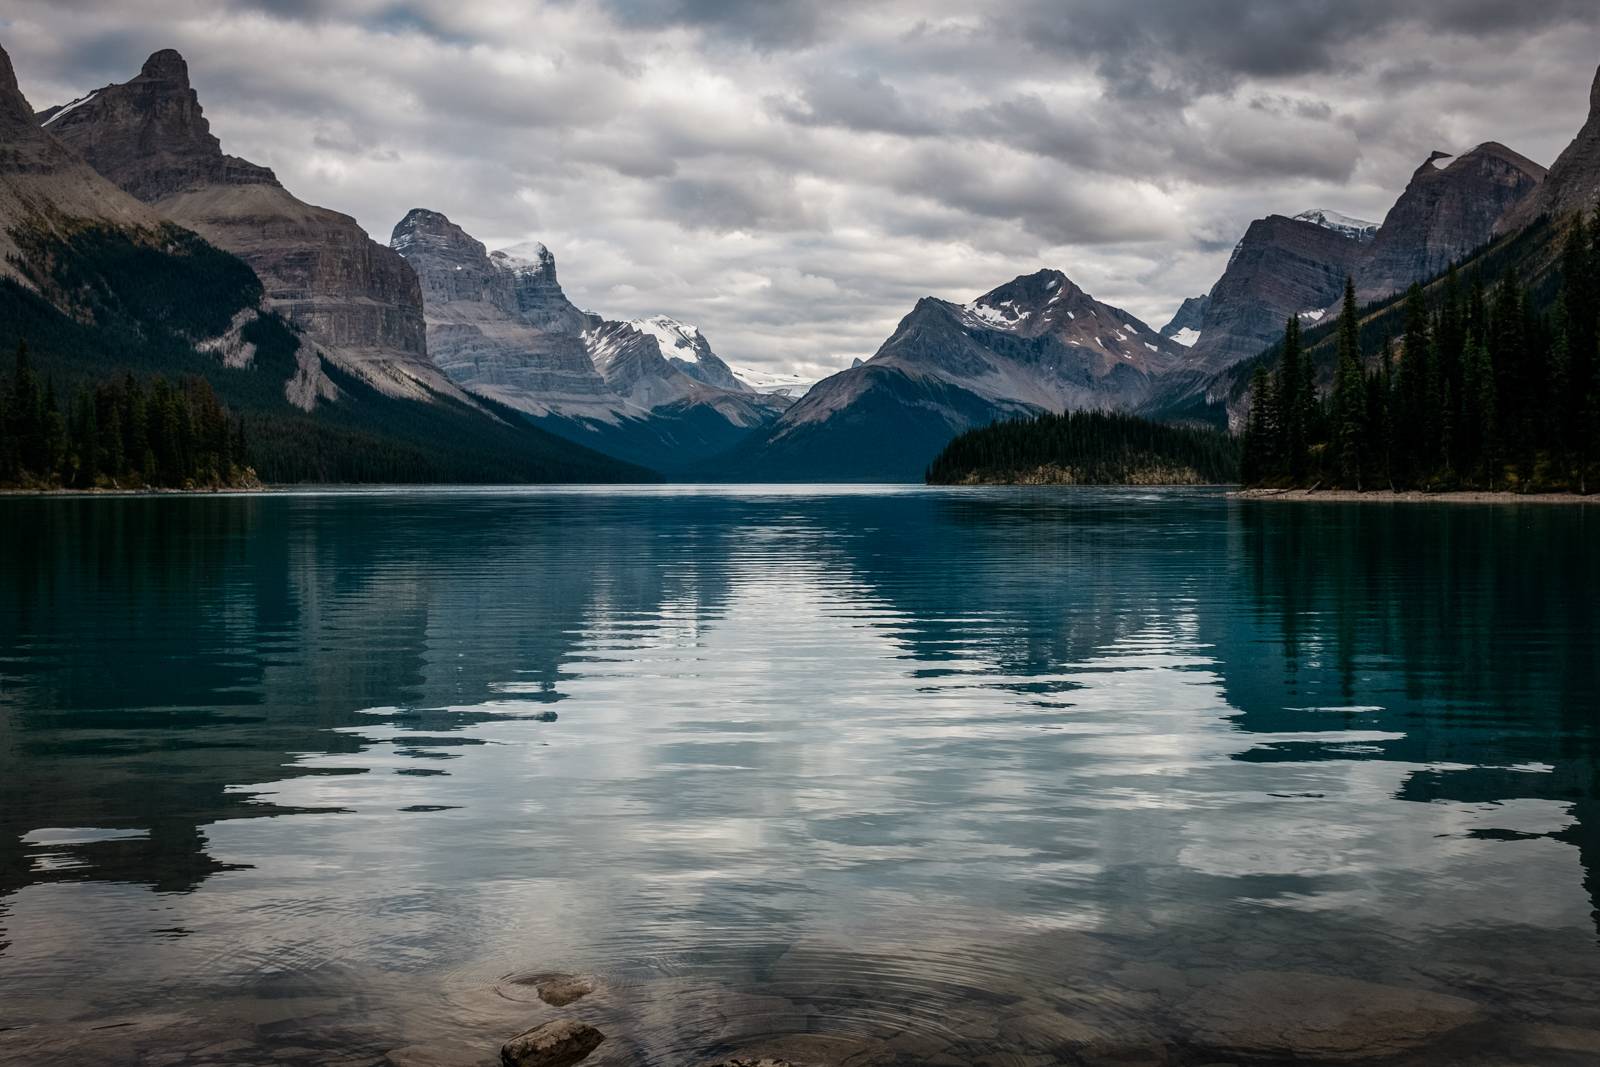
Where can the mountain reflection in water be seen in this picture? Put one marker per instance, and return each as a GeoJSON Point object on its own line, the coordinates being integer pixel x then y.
{"type": "Point", "coordinates": [1008, 776]}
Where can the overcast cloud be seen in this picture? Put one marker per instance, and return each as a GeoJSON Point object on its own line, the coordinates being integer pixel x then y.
{"type": "Point", "coordinates": [792, 175]}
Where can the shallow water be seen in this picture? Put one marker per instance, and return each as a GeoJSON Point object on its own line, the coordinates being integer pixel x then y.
{"type": "Point", "coordinates": [861, 775]}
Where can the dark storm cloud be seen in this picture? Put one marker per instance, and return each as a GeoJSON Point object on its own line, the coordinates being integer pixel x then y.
{"type": "Point", "coordinates": [1152, 48]}
{"type": "Point", "coordinates": [794, 174]}
{"type": "Point", "coordinates": [764, 23]}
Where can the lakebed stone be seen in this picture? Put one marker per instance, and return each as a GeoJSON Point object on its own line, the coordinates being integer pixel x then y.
{"type": "Point", "coordinates": [558, 1043]}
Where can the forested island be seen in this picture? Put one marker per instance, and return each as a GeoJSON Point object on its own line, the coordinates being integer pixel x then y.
{"type": "Point", "coordinates": [1485, 391]}
{"type": "Point", "coordinates": [1086, 448]}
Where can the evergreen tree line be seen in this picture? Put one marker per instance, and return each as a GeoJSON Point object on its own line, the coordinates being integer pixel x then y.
{"type": "Point", "coordinates": [1482, 392]}
{"type": "Point", "coordinates": [124, 433]}
{"type": "Point", "coordinates": [1087, 448]}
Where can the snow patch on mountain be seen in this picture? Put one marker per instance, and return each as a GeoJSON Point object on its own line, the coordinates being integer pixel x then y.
{"type": "Point", "coordinates": [1356, 229]}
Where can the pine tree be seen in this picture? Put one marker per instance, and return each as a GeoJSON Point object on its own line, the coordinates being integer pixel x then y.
{"type": "Point", "coordinates": [1349, 401]}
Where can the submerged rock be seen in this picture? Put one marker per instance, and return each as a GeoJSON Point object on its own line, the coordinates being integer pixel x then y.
{"type": "Point", "coordinates": [555, 989]}
{"type": "Point", "coordinates": [559, 990]}
{"type": "Point", "coordinates": [559, 1043]}
{"type": "Point", "coordinates": [1314, 1018]}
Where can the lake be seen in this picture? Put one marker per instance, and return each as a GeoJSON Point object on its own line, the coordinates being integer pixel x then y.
{"type": "Point", "coordinates": [864, 775]}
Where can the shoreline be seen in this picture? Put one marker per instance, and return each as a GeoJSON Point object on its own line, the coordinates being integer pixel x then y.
{"type": "Point", "coordinates": [1413, 496]}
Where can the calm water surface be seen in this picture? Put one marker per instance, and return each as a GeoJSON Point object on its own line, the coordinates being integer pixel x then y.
{"type": "Point", "coordinates": [922, 776]}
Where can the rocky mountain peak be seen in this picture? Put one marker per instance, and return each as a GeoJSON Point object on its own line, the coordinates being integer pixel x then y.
{"type": "Point", "coordinates": [536, 264]}
{"type": "Point", "coordinates": [166, 65]}
{"type": "Point", "coordinates": [686, 348]}
{"type": "Point", "coordinates": [422, 227]}
{"type": "Point", "coordinates": [13, 105]}
{"type": "Point", "coordinates": [150, 135]}
{"type": "Point", "coordinates": [1355, 229]}
{"type": "Point", "coordinates": [1573, 183]}
{"type": "Point", "coordinates": [1444, 213]}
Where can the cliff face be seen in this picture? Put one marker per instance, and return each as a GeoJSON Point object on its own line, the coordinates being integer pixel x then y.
{"type": "Point", "coordinates": [44, 184]}
{"type": "Point", "coordinates": [499, 324]}
{"type": "Point", "coordinates": [1281, 267]}
{"type": "Point", "coordinates": [150, 136]}
{"type": "Point", "coordinates": [1444, 213]}
{"type": "Point", "coordinates": [1573, 183]}
{"type": "Point", "coordinates": [357, 300]}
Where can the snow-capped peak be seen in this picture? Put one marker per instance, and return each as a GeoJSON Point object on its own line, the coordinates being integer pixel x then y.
{"type": "Point", "coordinates": [1357, 229]}
{"type": "Point", "coordinates": [671, 334]}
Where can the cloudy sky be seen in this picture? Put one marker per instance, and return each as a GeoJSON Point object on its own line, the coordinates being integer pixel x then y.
{"type": "Point", "coordinates": [793, 174]}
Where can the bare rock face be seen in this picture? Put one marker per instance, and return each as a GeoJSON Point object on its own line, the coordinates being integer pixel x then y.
{"type": "Point", "coordinates": [498, 324]}
{"type": "Point", "coordinates": [355, 299]}
{"type": "Point", "coordinates": [501, 326]}
{"type": "Point", "coordinates": [631, 362]}
{"type": "Point", "coordinates": [1444, 213]}
{"type": "Point", "coordinates": [686, 348]}
{"type": "Point", "coordinates": [1281, 267]}
{"type": "Point", "coordinates": [1037, 343]}
{"type": "Point", "coordinates": [43, 183]}
{"type": "Point", "coordinates": [1188, 321]}
{"type": "Point", "coordinates": [150, 136]}
{"type": "Point", "coordinates": [1573, 183]}
{"type": "Point", "coordinates": [553, 1044]}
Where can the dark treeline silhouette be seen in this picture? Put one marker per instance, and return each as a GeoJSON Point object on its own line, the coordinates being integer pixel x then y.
{"type": "Point", "coordinates": [1087, 448]}
{"type": "Point", "coordinates": [1483, 391]}
{"type": "Point", "coordinates": [124, 433]}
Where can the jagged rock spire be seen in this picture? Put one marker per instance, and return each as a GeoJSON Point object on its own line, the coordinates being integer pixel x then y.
{"type": "Point", "coordinates": [166, 65]}
{"type": "Point", "coordinates": [13, 105]}
{"type": "Point", "coordinates": [150, 135]}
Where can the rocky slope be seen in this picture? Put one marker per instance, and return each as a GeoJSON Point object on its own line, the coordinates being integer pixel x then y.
{"type": "Point", "coordinates": [500, 326]}
{"type": "Point", "coordinates": [1573, 183]}
{"type": "Point", "coordinates": [356, 300]}
{"type": "Point", "coordinates": [1281, 267]}
{"type": "Point", "coordinates": [44, 185]}
{"type": "Point", "coordinates": [686, 348]}
{"type": "Point", "coordinates": [1037, 343]}
{"type": "Point", "coordinates": [1187, 321]}
{"type": "Point", "coordinates": [1444, 213]}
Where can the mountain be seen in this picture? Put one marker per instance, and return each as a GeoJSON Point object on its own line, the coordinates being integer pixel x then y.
{"type": "Point", "coordinates": [1186, 323]}
{"type": "Point", "coordinates": [1358, 229]}
{"type": "Point", "coordinates": [687, 349]}
{"type": "Point", "coordinates": [45, 186]}
{"type": "Point", "coordinates": [1038, 343]}
{"type": "Point", "coordinates": [1573, 183]}
{"type": "Point", "coordinates": [1444, 213]}
{"type": "Point", "coordinates": [501, 327]}
{"type": "Point", "coordinates": [1281, 267]}
{"type": "Point", "coordinates": [356, 300]}
{"type": "Point", "coordinates": [102, 285]}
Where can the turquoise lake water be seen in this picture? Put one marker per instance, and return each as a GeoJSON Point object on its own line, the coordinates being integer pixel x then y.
{"type": "Point", "coordinates": [880, 775]}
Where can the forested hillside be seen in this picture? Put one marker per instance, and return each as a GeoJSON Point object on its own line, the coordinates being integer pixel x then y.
{"type": "Point", "coordinates": [1493, 384]}
{"type": "Point", "coordinates": [1087, 448]}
